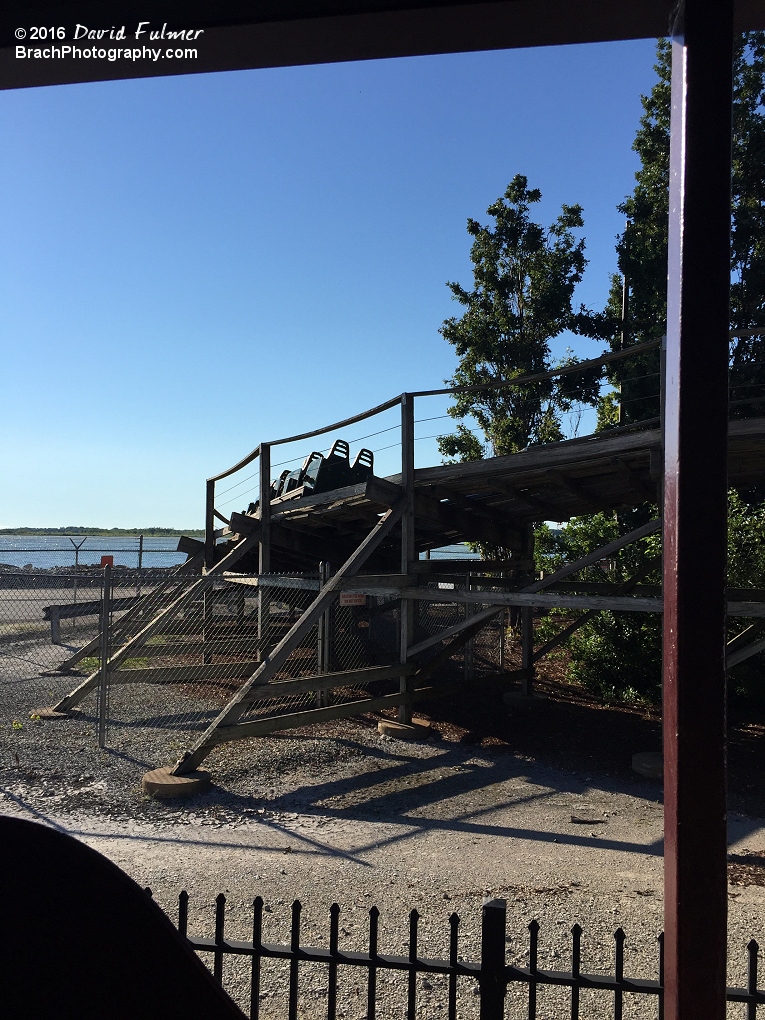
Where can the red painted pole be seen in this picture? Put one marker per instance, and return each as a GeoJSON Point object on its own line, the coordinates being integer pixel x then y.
{"type": "Point", "coordinates": [695, 513]}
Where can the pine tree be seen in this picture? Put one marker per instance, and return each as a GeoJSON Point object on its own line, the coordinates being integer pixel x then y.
{"type": "Point", "coordinates": [642, 248]}
{"type": "Point", "coordinates": [524, 277]}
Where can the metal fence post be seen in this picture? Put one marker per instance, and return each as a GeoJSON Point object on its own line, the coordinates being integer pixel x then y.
{"type": "Point", "coordinates": [55, 625]}
{"type": "Point", "coordinates": [140, 565]}
{"type": "Point", "coordinates": [103, 689]}
{"type": "Point", "coordinates": [492, 978]}
{"type": "Point", "coordinates": [323, 638]}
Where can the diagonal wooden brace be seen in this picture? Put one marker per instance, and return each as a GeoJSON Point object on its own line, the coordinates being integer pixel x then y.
{"type": "Point", "coordinates": [276, 659]}
{"type": "Point", "coordinates": [75, 697]}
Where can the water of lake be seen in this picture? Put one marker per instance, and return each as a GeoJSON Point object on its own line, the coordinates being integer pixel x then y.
{"type": "Point", "coordinates": [43, 551]}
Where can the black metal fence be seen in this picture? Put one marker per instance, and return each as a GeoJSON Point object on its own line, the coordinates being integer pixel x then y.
{"type": "Point", "coordinates": [491, 971]}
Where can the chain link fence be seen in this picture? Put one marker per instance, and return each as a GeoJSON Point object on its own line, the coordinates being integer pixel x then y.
{"type": "Point", "coordinates": [179, 647]}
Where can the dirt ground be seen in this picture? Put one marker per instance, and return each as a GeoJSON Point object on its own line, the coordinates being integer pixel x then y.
{"type": "Point", "coordinates": [540, 808]}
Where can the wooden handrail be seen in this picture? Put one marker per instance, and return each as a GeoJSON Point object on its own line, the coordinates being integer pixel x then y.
{"type": "Point", "coordinates": [521, 380]}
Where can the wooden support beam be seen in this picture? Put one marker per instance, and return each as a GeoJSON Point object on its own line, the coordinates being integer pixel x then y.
{"type": "Point", "coordinates": [744, 636]}
{"type": "Point", "coordinates": [466, 566]}
{"type": "Point", "coordinates": [638, 485]}
{"type": "Point", "coordinates": [75, 697]}
{"type": "Point", "coordinates": [447, 632]}
{"type": "Point", "coordinates": [442, 656]}
{"type": "Point", "coordinates": [264, 545]}
{"type": "Point", "coordinates": [244, 546]}
{"type": "Point", "coordinates": [406, 614]}
{"type": "Point", "coordinates": [328, 681]}
{"type": "Point", "coordinates": [274, 661]}
{"type": "Point", "coordinates": [244, 524]}
{"type": "Point", "coordinates": [621, 589]}
{"type": "Point", "coordinates": [270, 724]}
{"type": "Point", "coordinates": [183, 674]}
{"type": "Point", "coordinates": [597, 554]}
{"type": "Point", "coordinates": [575, 488]}
{"type": "Point", "coordinates": [744, 652]}
{"type": "Point", "coordinates": [464, 523]}
{"type": "Point", "coordinates": [533, 503]}
{"type": "Point", "coordinates": [475, 506]}
{"type": "Point", "coordinates": [209, 551]}
{"type": "Point", "coordinates": [695, 513]}
{"type": "Point", "coordinates": [625, 604]}
{"type": "Point", "coordinates": [190, 546]}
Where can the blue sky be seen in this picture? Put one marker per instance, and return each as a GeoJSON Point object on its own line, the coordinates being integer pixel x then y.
{"type": "Point", "coordinates": [191, 265]}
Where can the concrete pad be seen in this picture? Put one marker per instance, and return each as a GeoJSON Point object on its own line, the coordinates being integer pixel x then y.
{"type": "Point", "coordinates": [163, 785]}
{"type": "Point", "coordinates": [649, 764]}
{"type": "Point", "coordinates": [419, 729]}
{"type": "Point", "coordinates": [50, 713]}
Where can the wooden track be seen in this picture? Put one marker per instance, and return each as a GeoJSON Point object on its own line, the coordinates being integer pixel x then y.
{"type": "Point", "coordinates": [490, 500]}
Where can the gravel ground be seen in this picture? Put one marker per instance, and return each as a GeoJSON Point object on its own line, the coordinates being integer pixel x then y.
{"type": "Point", "coordinates": [339, 813]}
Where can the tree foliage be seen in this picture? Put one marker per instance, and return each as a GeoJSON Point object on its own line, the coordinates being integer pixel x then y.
{"type": "Point", "coordinates": [642, 248]}
{"type": "Point", "coordinates": [619, 654]}
{"type": "Point", "coordinates": [524, 277]}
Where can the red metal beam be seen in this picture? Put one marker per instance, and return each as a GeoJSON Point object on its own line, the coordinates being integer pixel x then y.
{"type": "Point", "coordinates": [695, 513]}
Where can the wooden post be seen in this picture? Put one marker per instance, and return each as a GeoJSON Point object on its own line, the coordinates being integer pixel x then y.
{"type": "Point", "coordinates": [264, 545]}
{"type": "Point", "coordinates": [407, 543]}
{"type": "Point", "coordinates": [527, 650]}
{"type": "Point", "coordinates": [695, 513]}
{"type": "Point", "coordinates": [467, 655]}
{"type": "Point", "coordinates": [210, 524]}
{"type": "Point", "coordinates": [502, 641]}
{"type": "Point", "coordinates": [264, 559]}
{"type": "Point", "coordinates": [527, 624]}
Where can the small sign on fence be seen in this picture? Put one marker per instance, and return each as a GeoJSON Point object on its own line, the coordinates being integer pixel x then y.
{"type": "Point", "coordinates": [352, 598]}
{"type": "Point", "coordinates": [107, 561]}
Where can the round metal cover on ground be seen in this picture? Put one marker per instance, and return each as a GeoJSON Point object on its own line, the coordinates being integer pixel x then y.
{"type": "Point", "coordinates": [419, 729]}
{"type": "Point", "coordinates": [161, 783]}
{"type": "Point", "coordinates": [649, 764]}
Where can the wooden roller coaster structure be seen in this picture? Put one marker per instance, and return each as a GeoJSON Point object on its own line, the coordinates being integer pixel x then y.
{"type": "Point", "coordinates": [379, 528]}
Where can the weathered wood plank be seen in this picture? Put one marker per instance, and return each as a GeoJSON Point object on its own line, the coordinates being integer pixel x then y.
{"type": "Point", "coordinates": [278, 656]}
{"type": "Point", "coordinates": [625, 604]}
{"type": "Point", "coordinates": [183, 674]}
{"type": "Point", "coordinates": [327, 681]}
{"type": "Point", "coordinates": [295, 720]}
{"type": "Point", "coordinates": [465, 566]}
{"type": "Point", "coordinates": [190, 546]}
{"type": "Point", "coordinates": [596, 555]}
{"type": "Point", "coordinates": [456, 628]}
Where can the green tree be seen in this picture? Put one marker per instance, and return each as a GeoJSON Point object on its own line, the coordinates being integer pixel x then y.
{"type": "Point", "coordinates": [619, 654]}
{"type": "Point", "coordinates": [524, 276]}
{"type": "Point", "coordinates": [642, 248]}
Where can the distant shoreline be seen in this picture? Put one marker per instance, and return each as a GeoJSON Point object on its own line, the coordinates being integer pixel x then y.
{"type": "Point", "coordinates": [105, 532]}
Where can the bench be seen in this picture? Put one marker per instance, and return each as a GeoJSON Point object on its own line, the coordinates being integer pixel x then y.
{"type": "Point", "coordinates": [67, 612]}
